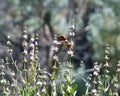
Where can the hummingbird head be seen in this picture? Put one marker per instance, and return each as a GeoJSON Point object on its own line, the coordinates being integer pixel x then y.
{"type": "Point", "coordinates": [63, 38]}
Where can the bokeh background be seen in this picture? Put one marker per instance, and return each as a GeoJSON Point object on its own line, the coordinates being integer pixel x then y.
{"type": "Point", "coordinates": [97, 23]}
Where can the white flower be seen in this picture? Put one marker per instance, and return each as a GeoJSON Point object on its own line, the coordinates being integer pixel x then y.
{"type": "Point", "coordinates": [72, 26]}
{"type": "Point", "coordinates": [32, 58]}
{"type": "Point", "coordinates": [3, 81]}
{"type": "Point", "coordinates": [72, 34]}
{"type": "Point", "coordinates": [32, 39]}
{"type": "Point", "coordinates": [94, 91]}
{"type": "Point", "coordinates": [116, 85]}
{"type": "Point", "coordinates": [31, 45]}
{"type": "Point", "coordinates": [25, 44]}
{"type": "Point", "coordinates": [12, 73]}
{"type": "Point", "coordinates": [25, 52]}
{"type": "Point", "coordinates": [55, 49]}
{"type": "Point", "coordinates": [36, 43]}
{"type": "Point", "coordinates": [55, 58]}
{"type": "Point", "coordinates": [8, 37]}
{"type": "Point", "coordinates": [96, 68]}
{"type": "Point", "coordinates": [106, 57]}
{"type": "Point", "coordinates": [56, 42]}
{"type": "Point", "coordinates": [118, 70]}
{"type": "Point", "coordinates": [13, 85]}
{"type": "Point", "coordinates": [2, 73]}
{"type": "Point", "coordinates": [43, 90]}
{"type": "Point", "coordinates": [39, 83]}
{"type": "Point", "coordinates": [25, 36]}
{"type": "Point", "coordinates": [32, 52]}
{"type": "Point", "coordinates": [69, 89]}
{"type": "Point", "coordinates": [2, 66]}
{"type": "Point", "coordinates": [70, 52]}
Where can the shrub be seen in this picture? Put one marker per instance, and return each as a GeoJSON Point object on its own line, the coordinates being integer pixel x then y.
{"type": "Point", "coordinates": [32, 80]}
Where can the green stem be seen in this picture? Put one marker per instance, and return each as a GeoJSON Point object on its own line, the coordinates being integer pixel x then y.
{"type": "Point", "coordinates": [53, 81]}
{"type": "Point", "coordinates": [25, 69]}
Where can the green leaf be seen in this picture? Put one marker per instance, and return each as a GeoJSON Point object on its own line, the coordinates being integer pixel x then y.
{"type": "Point", "coordinates": [74, 90]}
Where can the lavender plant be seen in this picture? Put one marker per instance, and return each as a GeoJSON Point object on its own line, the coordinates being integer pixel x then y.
{"type": "Point", "coordinates": [31, 80]}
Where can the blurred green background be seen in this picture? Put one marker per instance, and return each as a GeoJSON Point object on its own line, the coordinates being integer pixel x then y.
{"type": "Point", "coordinates": [100, 17]}
{"type": "Point", "coordinates": [97, 23]}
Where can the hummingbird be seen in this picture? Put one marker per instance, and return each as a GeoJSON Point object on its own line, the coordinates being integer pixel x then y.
{"type": "Point", "coordinates": [67, 43]}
